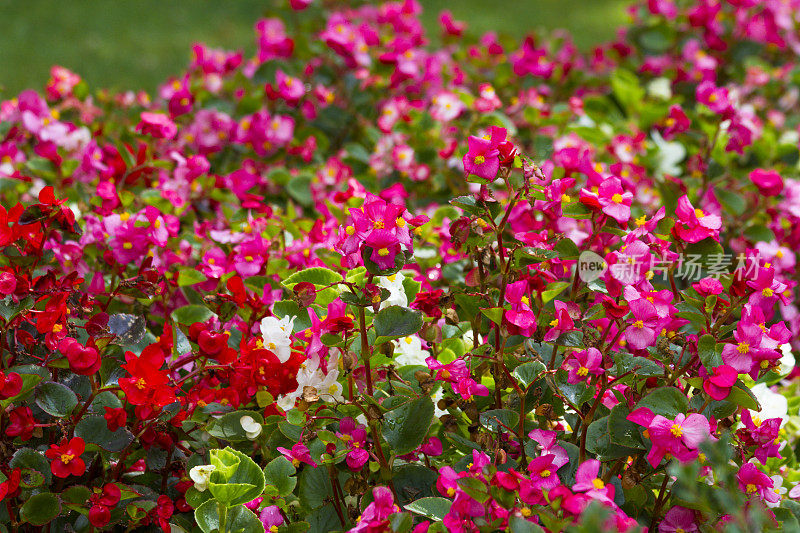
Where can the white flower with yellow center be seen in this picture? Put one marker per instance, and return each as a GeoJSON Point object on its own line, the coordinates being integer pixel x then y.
{"type": "Point", "coordinates": [397, 293]}
{"type": "Point", "coordinates": [408, 351]}
{"type": "Point", "coordinates": [277, 335]}
{"type": "Point", "coordinates": [201, 475]}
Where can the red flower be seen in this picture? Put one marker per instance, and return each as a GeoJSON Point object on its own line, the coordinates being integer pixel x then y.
{"type": "Point", "coordinates": [10, 385]}
{"type": "Point", "coordinates": [21, 423]}
{"type": "Point", "coordinates": [115, 418]}
{"type": "Point", "coordinates": [67, 458]}
{"type": "Point", "coordinates": [428, 303]}
{"type": "Point", "coordinates": [9, 487]}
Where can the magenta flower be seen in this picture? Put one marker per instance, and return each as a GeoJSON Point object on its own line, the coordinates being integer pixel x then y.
{"type": "Point", "coordinates": [520, 314]}
{"type": "Point", "coordinates": [693, 224]}
{"type": "Point", "coordinates": [290, 89]}
{"type": "Point", "coordinates": [587, 480]}
{"type": "Point", "coordinates": [644, 329]}
{"type": "Point", "coordinates": [355, 437]}
{"type": "Point", "coordinates": [741, 355]}
{"type": "Point", "coordinates": [678, 520]}
{"type": "Point", "coordinates": [543, 473]}
{"type": "Point", "coordinates": [157, 125]}
{"type": "Point", "coordinates": [215, 263]}
{"type": "Point", "coordinates": [754, 482]}
{"type": "Point", "coordinates": [614, 200]}
{"type": "Point", "coordinates": [467, 387]}
{"type": "Point", "coordinates": [561, 323]}
{"type": "Point", "coordinates": [385, 248]}
{"type": "Point", "coordinates": [374, 516]}
{"type": "Point", "coordinates": [483, 157]}
{"type": "Point", "coordinates": [271, 517]}
{"type": "Point", "coordinates": [675, 123]}
{"type": "Point", "coordinates": [718, 384]}
{"type": "Point", "coordinates": [249, 257]}
{"type": "Point", "coordinates": [763, 435]}
{"type": "Point", "coordinates": [582, 363]}
{"type": "Point", "coordinates": [547, 442]}
{"type": "Point", "coordinates": [715, 98]}
{"type": "Point", "coordinates": [298, 454]}
{"type": "Point", "coordinates": [679, 438]}
{"type": "Point", "coordinates": [451, 372]}
{"type": "Point", "coordinates": [769, 182]}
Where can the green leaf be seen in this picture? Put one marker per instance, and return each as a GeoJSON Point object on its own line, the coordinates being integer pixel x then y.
{"type": "Point", "coordinates": [317, 276]}
{"type": "Point", "coordinates": [10, 310]}
{"type": "Point", "coordinates": [207, 516]}
{"type": "Point", "coordinates": [229, 425]}
{"type": "Point", "coordinates": [278, 473]}
{"type": "Point", "coordinates": [622, 431]}
{"type": "Point", "coordinates": [189, 314]}
{"type": "Point", "coordinates": [474, 488]}
{"type": "Point", "coordinates": [575, 210]}
{"type": "Point", "coordinates": [495, 314]}
{"type": "Point", "coordinates": [528, 373]}
{"type": "Point", "coordinates": [237, 479]}
{"type": "Point", "coordinates": [94, 429]}
{"type": "Point", "coordinates": [518, 524]}
{"type": "Point", "coordinates": [299, 188]}
{"type": "Point", "coordinates": [190, 276]}
{"type": "Point", "coordinates": [494, 417]}
{"type": "Point", "coordinates": [405, 427]}
{"type": "Point", "coordinates": [707, 352]}
{"type": "Point", "coordinates": [567, 249]}
{"type": "Point", "coordinates": [434, 508]}
{"type": "Point", "coordinates": [396, 321]}
{"type": "Point", "coordinates": [665, 401]}
{"type": "Point", "coordinates": [55, 399]}
{"type": "Point", "coordinates": [30, 458]}
{"type": "Point", "coordinates": [41, 508]}
{"type": "Point", "coordinates": [743, 396]}
{"type": "Point", "coordinates": [243, 520]}
{"type": "Point", "coordinates": [553, 290]}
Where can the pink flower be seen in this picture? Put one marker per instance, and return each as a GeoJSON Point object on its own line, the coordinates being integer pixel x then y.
{"type": "Point", "coordinates": [715, 98]}
{"type": "Point", "coordinates": [587, 480]}
{"type": "Point", "coordinates": [644, 329]}
{"type": "Point", "coordinates": [694, 225]}
{"type": "Point", "coordinates": [679, 438]}
{"type": "Point", "coordinates": [582, 363]}
{"type": "Point", "coordinates": [483, 157]}
{"type": "Point", "coordinates": [562, 323]}
{"type": "Point", "coordinates": [543, 473]}
{"type": "Point", "coordinates": [298, 454]}
{"type": "Point", "coordinates": [753, 482]}
{"type": "Point", "coordinates": [769, 182]}
{"type": "Point", "coordinates": [157, 125]}
{"type": "Point", "coordinates": [374, 517]}
{"type": "Point", "coordinates": [611, 198]}
{"type": "Point", "coordinates": [677, 122]}
{"type": "Point", "coordinates": [290, 89]}
{"type": "Point", "coordinates": [547, 442]}
{"type": "Point", "coordinates": [678, 520]}
{"type": "Point", "coordinates": [520, 314]}
{"type": "Point", "coordinates": [718, 384]}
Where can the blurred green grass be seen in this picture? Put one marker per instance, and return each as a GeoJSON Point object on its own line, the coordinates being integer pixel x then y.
{"type": "Point", "coordinates": [137, 44]}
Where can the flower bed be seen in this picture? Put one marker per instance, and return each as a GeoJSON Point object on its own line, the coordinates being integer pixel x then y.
{"type": "Point", "coordinates": [363, 282]}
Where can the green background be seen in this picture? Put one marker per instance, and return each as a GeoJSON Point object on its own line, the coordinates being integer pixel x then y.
{"type": "Point", "coordinates": [136, 44]}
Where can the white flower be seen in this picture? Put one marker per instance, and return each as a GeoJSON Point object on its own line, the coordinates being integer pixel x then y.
{"type": "Point", "coordinates": [397, 293]}
{"type": "Point", "coordinates": [310, 375]}
{"type": "Point", "coordinates": [780, 490]}
{"type": "Point", "coordinates": [773, 405]}
{"type": "Point", "coordinates": [660, 88]}
{"type": "Point", "coordinates": [251, 428]}
{"type": "Point", "coordinates": [669, 155]}
{"type": "Point", "coordinates": [201, 474]}
{"type": "Point", "coordinates": [408, 351]}
{"type": "Point", "coordinates": [277, 335]}
{"type": "Point", "coordinates": [787, 360]}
